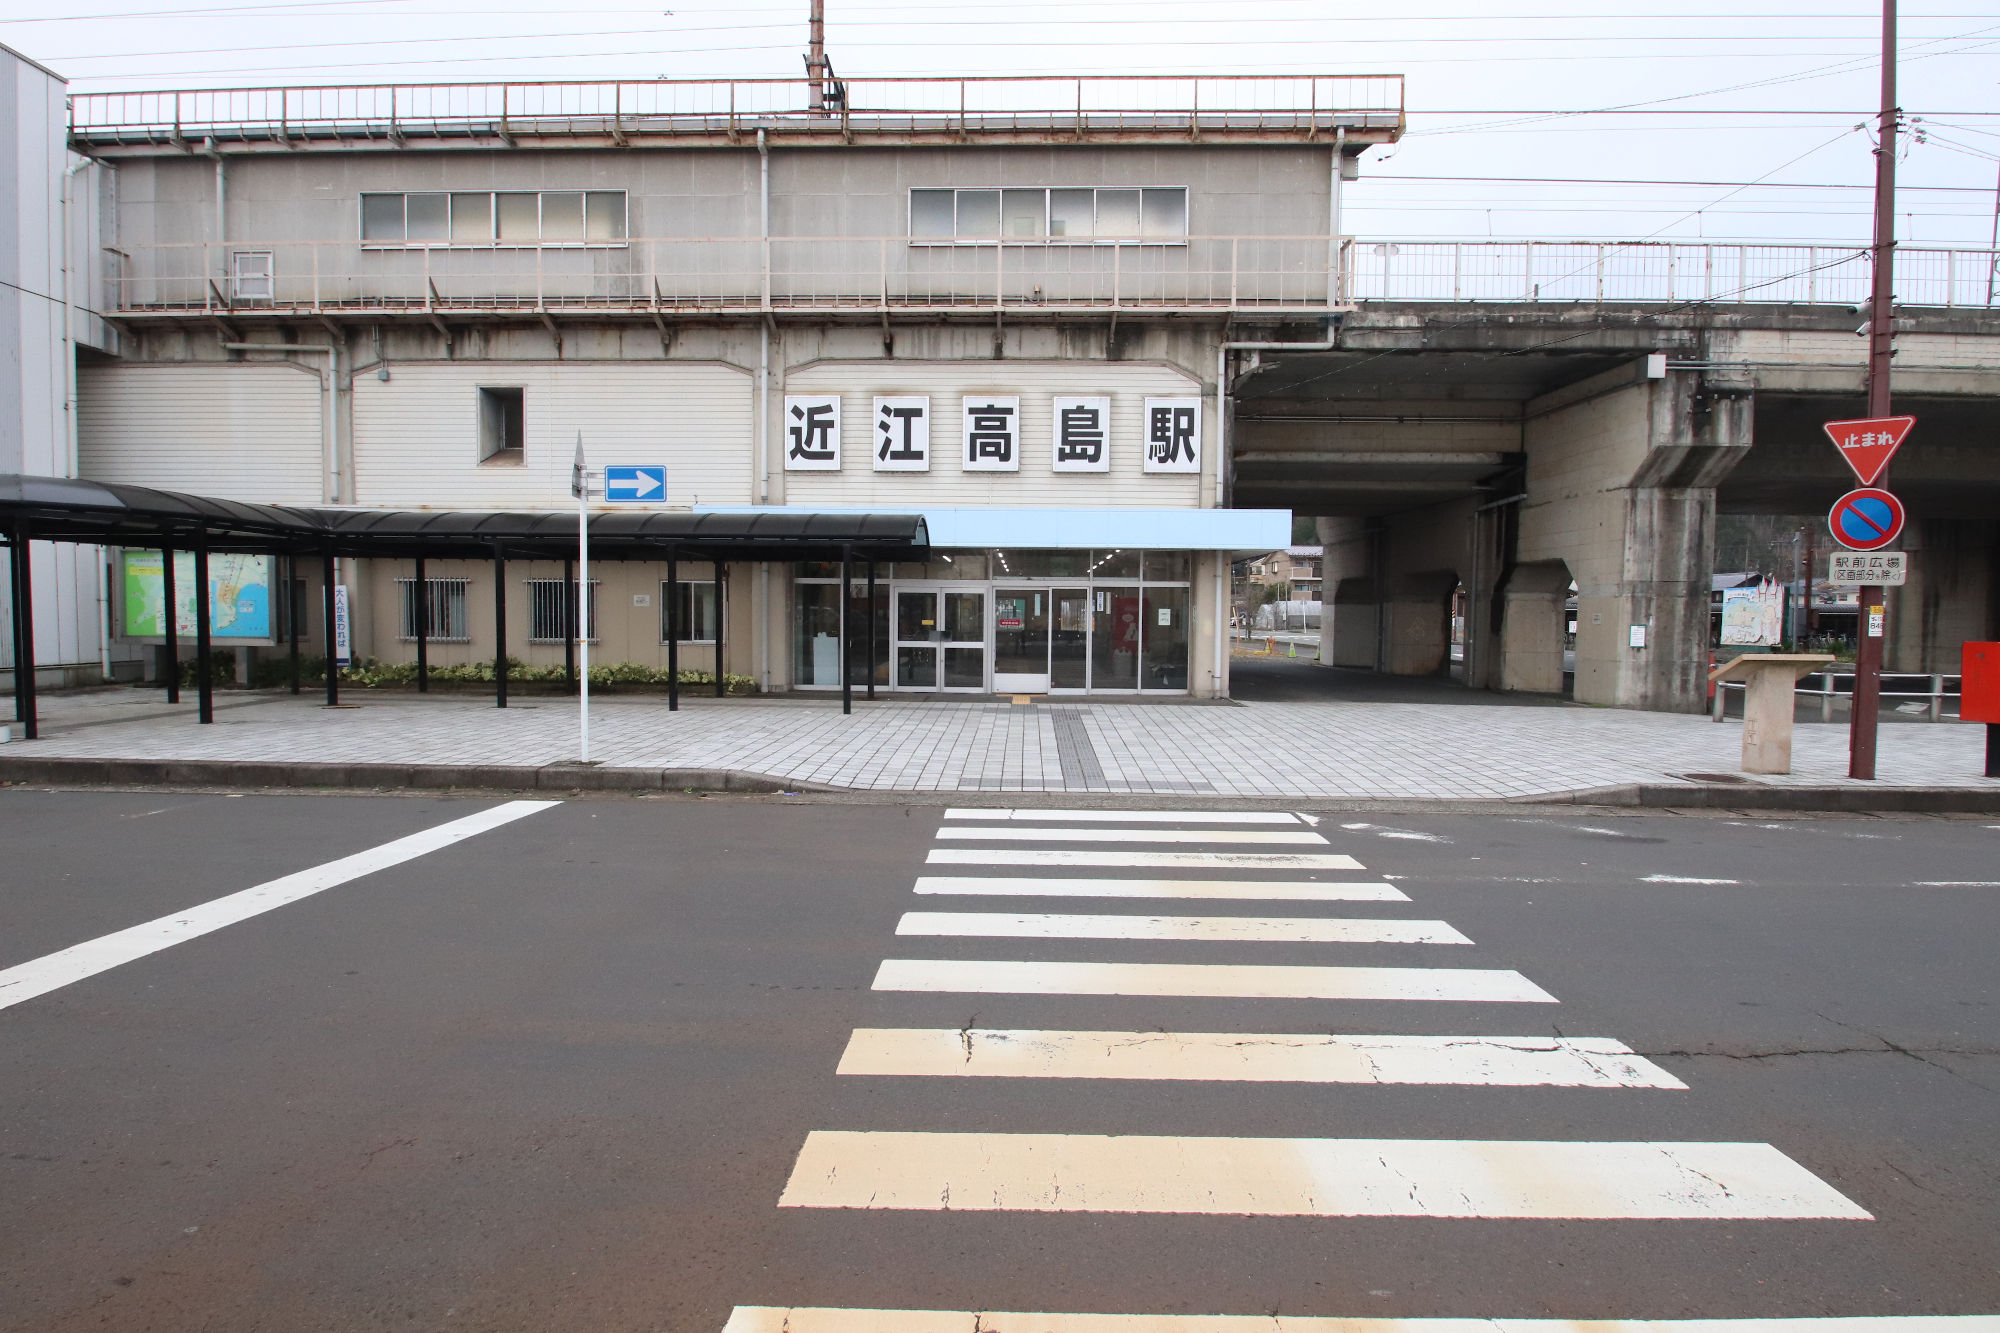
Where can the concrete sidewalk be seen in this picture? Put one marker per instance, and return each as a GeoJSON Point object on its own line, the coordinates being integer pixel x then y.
{"type": "Point", "coordinates": [1361, 751]}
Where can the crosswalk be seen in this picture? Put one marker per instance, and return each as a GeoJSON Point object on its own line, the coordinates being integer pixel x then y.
{"type": "Point", "coordinates": [1025, 1168]}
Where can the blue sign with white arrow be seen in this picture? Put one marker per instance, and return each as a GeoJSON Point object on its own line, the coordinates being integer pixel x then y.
{"type": "Point", "coordinates": [642, 484]}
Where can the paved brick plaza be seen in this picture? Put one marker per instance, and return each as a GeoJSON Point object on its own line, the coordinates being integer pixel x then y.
{"type": "Point", "coordinates": [1354, 750]}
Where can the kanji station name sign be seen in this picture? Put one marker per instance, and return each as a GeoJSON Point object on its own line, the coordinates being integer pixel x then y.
{"type": "Point", "coordinates": [1084, 433]}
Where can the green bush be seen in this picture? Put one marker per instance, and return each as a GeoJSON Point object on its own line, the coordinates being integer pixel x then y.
{"type": "Point", "coordinates": [275, 672]}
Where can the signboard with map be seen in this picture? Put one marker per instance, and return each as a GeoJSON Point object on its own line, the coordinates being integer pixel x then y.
{"type": "Point", "coordinates": [239, 596]}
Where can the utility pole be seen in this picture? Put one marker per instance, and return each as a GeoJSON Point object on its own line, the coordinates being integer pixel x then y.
{"type": "Point", "coordinates": [816, 54]}
{"type": "Point", "coordinates": [1870, 620]}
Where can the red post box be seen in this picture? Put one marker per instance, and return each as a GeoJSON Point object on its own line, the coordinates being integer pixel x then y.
{"type": "Point", "coordinates": [1979, 696]}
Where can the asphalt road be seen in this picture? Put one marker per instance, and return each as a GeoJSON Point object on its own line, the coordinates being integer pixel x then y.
{"type": "Point", "coordinates": [556, 1076]}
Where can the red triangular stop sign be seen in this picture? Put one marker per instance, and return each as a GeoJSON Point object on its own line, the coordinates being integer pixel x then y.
{"type": "Point", "coordinates": [1869, 445]}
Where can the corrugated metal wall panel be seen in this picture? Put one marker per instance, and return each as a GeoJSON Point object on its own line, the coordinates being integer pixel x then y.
{"type": "Point", "coordinates": [416, 436]}
{"type": "Point", "coordinates": [1126, 484]}
{"type": "Point", "coordinates": [236, 431]}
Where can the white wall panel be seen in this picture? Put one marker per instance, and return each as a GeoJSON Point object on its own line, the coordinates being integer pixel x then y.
{"type": "Point", "coordinates": [241, 432]}
{"type": "Point", "coordinates": [1037, 483]}
{"type": "Point", "coordinates": [416, 437]}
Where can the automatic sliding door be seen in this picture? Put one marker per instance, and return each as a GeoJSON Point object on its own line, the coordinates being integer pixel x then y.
{"type": "Point", "coordinates": [1069, 639]}
{"type": "Point", "coordinates": [1021, 640]}
{"type": "Point", "coordinates": [917, 638]}
{"type": "Point", "coordinates": [964, 640]}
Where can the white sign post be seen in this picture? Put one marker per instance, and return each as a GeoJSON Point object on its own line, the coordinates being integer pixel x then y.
{"type": "Point", "coordinates": [579, 485]}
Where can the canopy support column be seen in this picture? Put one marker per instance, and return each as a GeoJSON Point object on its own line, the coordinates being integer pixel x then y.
{"type": "Point", "coordinates": [673, 630]}
{"type": "Point", "coordinates": [420, 594]}
{"type": "Point", "coordinates": [204, 686]}
{"type": "Point", "coordinates": [22, 567]}
{"type": "Point", "coordinates": [499, 625]}
{"type": "Point", "coordinates": [846, 650]}
{"type": "Point", "coordinates": [721, 689]}
{"type": "Point", "coordinates": [871, 629]}
{"type": "Point", "coordinates": [331, 572]}
{"type": "Point", "coordinates": [294, 612]}
{"type": "Point", "coordinates": [170, 625]}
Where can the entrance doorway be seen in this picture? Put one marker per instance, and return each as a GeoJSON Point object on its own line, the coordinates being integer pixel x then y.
{"type": "Point", "coordinates": [1041, 640]}
{"type": "Point", "coordinates": [940, 638]}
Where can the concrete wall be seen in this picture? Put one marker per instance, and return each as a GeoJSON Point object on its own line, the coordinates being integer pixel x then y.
{"type": "Point", "coordinates": [34, 357]}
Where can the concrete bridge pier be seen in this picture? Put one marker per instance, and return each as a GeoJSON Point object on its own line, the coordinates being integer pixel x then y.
{"type": "Point", "coordinates": [1622, 470]}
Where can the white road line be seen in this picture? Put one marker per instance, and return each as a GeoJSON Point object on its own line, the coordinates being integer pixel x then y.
{"type": "Point", "coordinates": [1946, 883]}
{"type": "Point", "coordinates": [1683, 879]}
{"type": "Point", "coordinates": [1252, 890]}
{"type": "Point", "coordinates": [1107, 1173]}
{"type": "Point", "coordinates": [47, 973]}
{"type": "Point", "coordinates": [1006, 833]}
{"type": "Point", "coordinates": [1253, 1057]}
{"type": "Point", "coordinates": [822, 1319]}
{"type": "Point", "coordinates": [1128, 816]}
{"type": "Point", "coordinates": [1219, 980]}
{"type": "Point", "coordinates": [1261, 929]}
{"type": "Point", "coordinates": [1041, 856]}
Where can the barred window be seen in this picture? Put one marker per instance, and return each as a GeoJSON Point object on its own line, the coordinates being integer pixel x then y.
{"type": "Point", "coordinates": [551, 618]}
{"type": "Point", "coordinates": [446, 599]}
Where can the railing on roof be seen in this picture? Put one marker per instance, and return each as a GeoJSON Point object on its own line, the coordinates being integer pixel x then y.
{"type": "Point", "coordinates": [1599, 272]}
{"type": "Point", "coordinates": [1240, 106]}
{"type": "Point", "coordinates": [803, 274]}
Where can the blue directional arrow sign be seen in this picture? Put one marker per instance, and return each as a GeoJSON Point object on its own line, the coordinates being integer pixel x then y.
{"type": "Point", "coordinates": [642, 484]}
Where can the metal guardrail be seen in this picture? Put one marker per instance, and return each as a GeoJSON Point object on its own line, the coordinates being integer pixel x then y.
{"type": "Point", "coordinates": [1300, 104]}
{"type": "Point", "coordinates": [1937, 689]}
{"type": "Point", "coordinates": [1599, 272]}
{"type": "Point", "coordinates": [674, 274]}
{"type": "Point", "coordinates": [847, 273]}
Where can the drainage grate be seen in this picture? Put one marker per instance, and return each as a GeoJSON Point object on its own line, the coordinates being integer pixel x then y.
{"type": "Point", "coordinates": [1074, 751]}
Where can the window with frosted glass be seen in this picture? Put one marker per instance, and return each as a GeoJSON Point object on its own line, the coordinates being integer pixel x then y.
{"type": "Point", "coordinates": [562, 216]}
{"type": "Point", "coordinates": [518, 217]}
{"type": "Point", "coordinates": [381, 217]}
{"type": "Point", "coordinates": [472, 217]}
{"type": "Point", "coordinates": [933, 213]}
{"type": "Point", "coordinates": [1156, 214]}
{"type": "Point", "coordinates": [427, 217]}
{"type": "Point", "coordinates": [604, 215]}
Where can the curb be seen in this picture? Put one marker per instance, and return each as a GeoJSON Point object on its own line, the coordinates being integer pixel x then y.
{"type": "Point", "coordinates": [576, 777]}
{"type": "Point", "coordinates": [1758, 796]}
{"type": "Point", "coordinates": [478, 777]}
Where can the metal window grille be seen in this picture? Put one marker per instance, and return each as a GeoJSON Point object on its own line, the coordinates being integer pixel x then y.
{"type": "Point", "coordinates": [446, 598]}
{"type": "Point", "coordinates": [695, 616]}
{"type": "Point", "coordinates": [551, 618]}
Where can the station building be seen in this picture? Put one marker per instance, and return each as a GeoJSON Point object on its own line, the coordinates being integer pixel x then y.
{"type": "Point", "coordinates": [1012, 306]}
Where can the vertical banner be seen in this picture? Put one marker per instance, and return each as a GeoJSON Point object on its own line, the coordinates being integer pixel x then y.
{"type": "Point", "coordinates": [343, 631]}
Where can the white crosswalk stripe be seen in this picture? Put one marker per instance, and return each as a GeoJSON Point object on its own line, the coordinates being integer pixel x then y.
{"type": "Point", "coordinates": [1134, 1173]}
{"type": "Point", "coordinates": [800, 1319]}
{"type": "Point", "coordinates": [1246, 890]}
{"type": "Point", "coordinates": [1252, 1057]}
{"type": "Point", "coordinates": [1226, 980]}
{"type": "Point", "coordinates": [1266, 929]}
{"type": "Point", "coordinates": [1128, 816]}
{"type": "Point", "coordinates": [1213, 837]}
{"type": "Point", "coordinates": [1038, 856]}
{"type": "Point", "coordinates": [1217, 856]}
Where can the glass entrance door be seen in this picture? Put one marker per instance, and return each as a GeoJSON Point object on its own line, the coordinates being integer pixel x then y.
{"type": "Point", "coordinates": [1021, 640]}
{"type": "Point", "coordinates": [940, 639]}
{"type": "Point", "coordinates": [918, 639]}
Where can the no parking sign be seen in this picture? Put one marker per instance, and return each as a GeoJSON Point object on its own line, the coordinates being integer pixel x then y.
{"type": "Point", "coordinates": [1867, 519]}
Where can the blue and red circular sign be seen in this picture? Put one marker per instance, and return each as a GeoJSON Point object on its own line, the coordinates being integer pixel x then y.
{"type": "Point", "coordinates": [1867, 519]}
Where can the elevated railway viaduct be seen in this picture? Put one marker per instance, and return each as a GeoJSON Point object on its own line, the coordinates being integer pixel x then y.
{"type": "Point", "coordinates": [1515, 447]}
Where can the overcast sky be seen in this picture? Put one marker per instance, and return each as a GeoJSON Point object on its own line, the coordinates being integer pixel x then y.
{"type": "Point", "coordinates": [1721, 116]}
